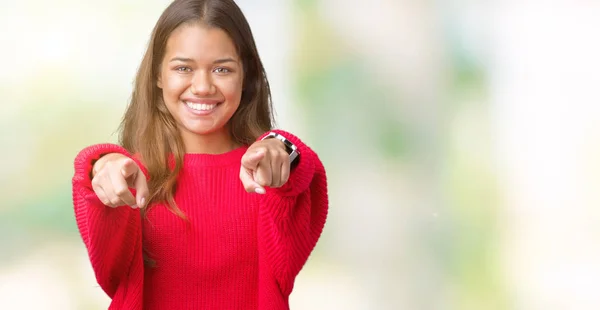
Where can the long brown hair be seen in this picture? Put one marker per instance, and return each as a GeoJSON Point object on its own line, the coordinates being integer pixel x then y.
{"type": "Point", "coordinates": [149, 130]}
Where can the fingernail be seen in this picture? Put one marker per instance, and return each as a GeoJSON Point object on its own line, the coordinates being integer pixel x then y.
{"type": "Point", "coordinates": [143, 201]}
{"type": "Point", "coordinates": [259, 190]}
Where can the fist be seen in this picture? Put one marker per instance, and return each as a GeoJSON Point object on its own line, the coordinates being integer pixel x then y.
{"type": "Point", "coordinates": [113, 175]}
{"type": "Point", "coordinates": [266, 163]}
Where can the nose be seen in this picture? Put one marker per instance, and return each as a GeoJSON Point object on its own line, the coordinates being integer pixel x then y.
{"type": "Point", "coordinates": [202, 84]}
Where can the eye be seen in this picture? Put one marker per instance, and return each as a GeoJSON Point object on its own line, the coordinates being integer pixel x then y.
{"type": "Point", "coordinates": [183, 69]}
{"type": "Point", "coordinates": [221, 70]}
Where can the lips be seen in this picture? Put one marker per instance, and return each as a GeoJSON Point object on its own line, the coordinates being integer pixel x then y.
{"type": "Point", "coordinates": [203, 107]}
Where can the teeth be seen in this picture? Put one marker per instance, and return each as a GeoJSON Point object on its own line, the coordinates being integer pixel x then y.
{"type": "Point", "coordinates": [200, 106]}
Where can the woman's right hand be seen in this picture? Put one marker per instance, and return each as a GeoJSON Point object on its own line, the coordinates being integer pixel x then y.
{"type": "Point", "coordinates": [112, 176]}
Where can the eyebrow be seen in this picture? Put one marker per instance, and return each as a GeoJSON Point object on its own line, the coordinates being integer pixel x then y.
{"type": "Point", "coordinates": [218, 61]}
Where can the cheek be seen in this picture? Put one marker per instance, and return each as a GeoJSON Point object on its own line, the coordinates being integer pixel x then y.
{"type": "Point", "coordinates": [173, 85]}
{"type": "Point", "coordinates": [232, 90]}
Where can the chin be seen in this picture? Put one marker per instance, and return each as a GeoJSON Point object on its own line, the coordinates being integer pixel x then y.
{"type": "Point", "coordinates": [205, 130]}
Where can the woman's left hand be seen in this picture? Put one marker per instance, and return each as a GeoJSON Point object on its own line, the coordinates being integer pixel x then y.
{"type": "Point", "coordinates": [266, 163]}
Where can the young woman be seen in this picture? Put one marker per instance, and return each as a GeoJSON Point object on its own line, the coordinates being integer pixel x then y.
{"type": "Point", "coordinates": [202, 205]}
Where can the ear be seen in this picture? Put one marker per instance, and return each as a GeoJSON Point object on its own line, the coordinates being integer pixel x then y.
{"type": "Point", "coordinates": [159, 82]}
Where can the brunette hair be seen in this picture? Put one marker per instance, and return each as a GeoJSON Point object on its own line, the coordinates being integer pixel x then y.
{"type": "Point", "coordinates": [148, 129]}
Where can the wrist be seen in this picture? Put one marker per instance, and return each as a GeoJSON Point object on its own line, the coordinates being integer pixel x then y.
{"type": "Point", "coordinates": [289, 147]}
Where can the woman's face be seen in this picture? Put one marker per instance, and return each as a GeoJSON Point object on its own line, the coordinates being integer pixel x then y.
{"type": "Point", "coordinates": [201, 77]}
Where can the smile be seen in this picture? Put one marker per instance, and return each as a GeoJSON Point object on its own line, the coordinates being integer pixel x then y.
{"type": "Point", "coordinates": [203, 107]}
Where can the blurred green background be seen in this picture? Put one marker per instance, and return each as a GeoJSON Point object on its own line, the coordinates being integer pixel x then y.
{"type": "Point", "coordinates": [461, 141]}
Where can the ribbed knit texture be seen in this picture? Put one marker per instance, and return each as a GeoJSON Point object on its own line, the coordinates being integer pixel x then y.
{"type": "Point", "coordinates": [235, 251]}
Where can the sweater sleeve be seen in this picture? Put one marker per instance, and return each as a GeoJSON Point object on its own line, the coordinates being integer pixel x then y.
{"type": "Point", "coordinates": [112, 236]}
{"type": "Point", "coordinates": [292, 217]}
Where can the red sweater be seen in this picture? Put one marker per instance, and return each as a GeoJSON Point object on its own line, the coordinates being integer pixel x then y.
{"type": "Point", "coordinates": [237, 250]}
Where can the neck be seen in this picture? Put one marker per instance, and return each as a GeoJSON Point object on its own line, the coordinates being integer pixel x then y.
{"type": "Point", "coordinates": [218, 142]}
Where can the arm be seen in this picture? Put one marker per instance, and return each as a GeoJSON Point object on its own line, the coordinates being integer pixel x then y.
{"type": "Point", "coordinates": [292, 217]}
{"type": "Point", "coordinates": [112, 236]}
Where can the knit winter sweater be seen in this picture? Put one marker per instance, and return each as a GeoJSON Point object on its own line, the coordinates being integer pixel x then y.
{"type": "Point", "coordinates": [236, 250]}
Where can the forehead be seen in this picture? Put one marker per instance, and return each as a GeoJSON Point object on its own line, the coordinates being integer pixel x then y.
{"type": "Point", "coordinates": [200, 42]}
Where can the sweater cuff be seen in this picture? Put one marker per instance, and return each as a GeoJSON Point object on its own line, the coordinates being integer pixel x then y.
{"type": "Point", "coordinates": [84, 161]}
{"type": "Point", "coordinates": [302, 174]}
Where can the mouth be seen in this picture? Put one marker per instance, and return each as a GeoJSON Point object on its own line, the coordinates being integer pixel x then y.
{"type": "Point", "coordinates": [201, 108]}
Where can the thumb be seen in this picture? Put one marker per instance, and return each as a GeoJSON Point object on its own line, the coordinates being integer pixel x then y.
{"type": "Point", "coordinates": [137, 180]}
{"type": "Point", "coordinates": [251, 160]}
{"type": "Point", "coordinates": [128, 168]}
